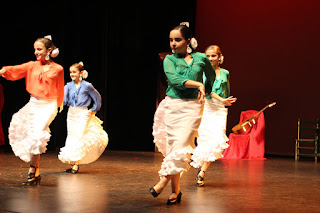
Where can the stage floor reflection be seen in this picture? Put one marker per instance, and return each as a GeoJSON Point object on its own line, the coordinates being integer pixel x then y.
{"type": "Point", "coordinates": [119, 182]}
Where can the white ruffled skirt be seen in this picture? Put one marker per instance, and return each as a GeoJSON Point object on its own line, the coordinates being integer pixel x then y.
{"type": "Point", "coordinates": [86, 139]}
{"type": "Point", "coordinates": [176, 122]}
{"type": "Point", "coordinates": [212, 138]}
{"type": "Point", "coordinates": [29, 128]}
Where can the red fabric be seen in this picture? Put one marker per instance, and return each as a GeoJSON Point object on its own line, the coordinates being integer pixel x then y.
{"type": "Point", "coordinates": [249, 145]}
{"type": "Point", "coordinates": [1, 107]}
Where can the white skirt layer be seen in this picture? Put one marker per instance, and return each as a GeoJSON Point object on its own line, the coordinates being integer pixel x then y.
{"type": "Point", "coordinates": [176, 122]}
{"type": "Point", "coordinates": [29, 128]}
{"type": "Point", "coordinates": [86, 139]}
{"type": "Point", "coordinates": [212, 138]}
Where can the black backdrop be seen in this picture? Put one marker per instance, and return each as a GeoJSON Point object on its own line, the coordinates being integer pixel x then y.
{"type": "Point", "coordinates": [119, 45]}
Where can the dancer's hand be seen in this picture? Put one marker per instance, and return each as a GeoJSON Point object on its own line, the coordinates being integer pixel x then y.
{"type": "Point", "coordinates": [2, 71]}
{"type": "Point", "coordinates": [60, 108]}
{"type": "Point", "coordinates": [202, 94]}
{"type": "Point", "coordinates": [229, 101]}
{"type": "Point", "coordinates": [92, 113]}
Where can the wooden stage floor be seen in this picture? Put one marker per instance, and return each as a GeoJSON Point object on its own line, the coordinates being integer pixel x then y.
{"type": "Point", "coordinates": [119, 182]}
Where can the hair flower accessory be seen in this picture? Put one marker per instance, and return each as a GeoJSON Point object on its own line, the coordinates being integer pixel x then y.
{"type": "Point", "coordinates": [194, 43]}
{"type": "Point", "coordinates": [185, 23]}
{"type": "Point", "coordinates": [221, 59]}
{"type": "Point", "coordinates": [55, 53]}
{"type": "Point", "coordinates": [84, 72]}
{"type": "Point", "coordinates": [48, 37]}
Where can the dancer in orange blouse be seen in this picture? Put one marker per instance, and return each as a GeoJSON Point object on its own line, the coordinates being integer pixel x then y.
{"type": "Point", "coordinates": [29, 128]}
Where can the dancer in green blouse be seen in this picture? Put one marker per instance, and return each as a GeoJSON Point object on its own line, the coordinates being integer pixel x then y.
{"type": "Point", "coordinates": [212, 138]}
{"type": "Point", "coordinates": [178, 116]}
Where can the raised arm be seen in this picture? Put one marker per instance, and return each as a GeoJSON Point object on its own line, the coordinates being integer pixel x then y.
{"type": "Point", "coordinates": [16, 72]}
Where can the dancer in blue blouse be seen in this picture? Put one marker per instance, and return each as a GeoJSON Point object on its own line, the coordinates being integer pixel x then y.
{"type": "Point", "coordinates": [86, 138]}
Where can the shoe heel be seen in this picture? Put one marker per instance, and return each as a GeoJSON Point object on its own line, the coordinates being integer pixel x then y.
{"type": "Point", "coordinates": [153, 192]}
{"type": "Point", "coordinates": [38, 180]}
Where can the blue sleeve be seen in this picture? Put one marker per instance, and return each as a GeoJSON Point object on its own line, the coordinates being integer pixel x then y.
{"type": "Point", "coordinates": [96, 97]}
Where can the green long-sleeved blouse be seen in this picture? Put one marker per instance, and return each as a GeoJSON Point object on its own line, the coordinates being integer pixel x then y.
{"type": "Point", "coordinates": [221, 86]}
{"type": "Point", "coordinates": [178, 71]}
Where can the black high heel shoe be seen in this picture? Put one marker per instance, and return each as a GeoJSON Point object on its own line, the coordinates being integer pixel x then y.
{"type": "Point", "coordinates": [75, 169]}
{"type": "Point", "coordinates": [153, 192]}
{"type": "Point", "coordinates": [68, 170]}
{"type": "Point", "coordinates": [32, 178]}
{"type": "Point", "coordinates": [200, 179]}
{"type": "Point", "coordinates": [176, 200]}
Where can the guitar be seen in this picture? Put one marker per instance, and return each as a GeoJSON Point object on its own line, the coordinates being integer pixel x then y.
{"type": "Point", "coordinates": [246, 125]}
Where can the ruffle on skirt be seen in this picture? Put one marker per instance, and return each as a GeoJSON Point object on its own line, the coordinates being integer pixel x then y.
{"type": "Point", "coordinates": [176, 122]}
{"type": "Point", "coordinates": [176, 162]}
{"type": "Point", "coordinates": [159, 129]}
{"type": "Point", "coordinates": [89, 147]}
{"type": "Point", "coordinates": [29, 128]}
{"type": "Point", "coordinates": [212, 139]}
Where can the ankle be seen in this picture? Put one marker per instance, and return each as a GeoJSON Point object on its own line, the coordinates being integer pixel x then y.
{"type": "Point", "coordinates": [202, 173]}
{"type": "Point", "coordinates": [174, 195]}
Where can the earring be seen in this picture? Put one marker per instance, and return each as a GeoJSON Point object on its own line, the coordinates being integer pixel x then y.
{"type": "Point", "coordinates": [189, 50]}
{"type": "Point", "coordinates": [80, 78]}
{"type": "Point", "coordinates": [47, 58]}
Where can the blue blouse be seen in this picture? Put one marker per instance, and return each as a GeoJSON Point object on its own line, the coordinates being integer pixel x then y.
{"type": "Point", "coordinates": [82, 96]}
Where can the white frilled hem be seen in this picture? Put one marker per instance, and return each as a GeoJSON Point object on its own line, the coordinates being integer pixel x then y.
{"type": "Point", "coordinates": [29, 128]}
{"type": "Point", "coordinates": [86, 139]}
{"type": "Point", "coordinates": [212, 138]}
{"type": "Point", "coordinates": [176, 122]}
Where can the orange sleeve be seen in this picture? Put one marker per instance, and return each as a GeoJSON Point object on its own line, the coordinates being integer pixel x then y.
{"type": "Point", "coordinates": [17, 72]}
{"type": "Point", "coordinates": [60, 87]}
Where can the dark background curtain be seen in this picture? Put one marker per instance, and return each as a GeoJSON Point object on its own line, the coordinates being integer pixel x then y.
{"type": "Point", "coordinates": [119, 45]}
{"type": "Point", "coordinates": [271, 49]}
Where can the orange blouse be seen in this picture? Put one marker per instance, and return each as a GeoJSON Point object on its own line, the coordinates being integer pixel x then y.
{"type": "Point", "coordinates": [42, 84]}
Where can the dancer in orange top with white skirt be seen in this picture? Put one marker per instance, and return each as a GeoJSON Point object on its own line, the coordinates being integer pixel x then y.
{"type": "Point", "coordinates": [29, 128]}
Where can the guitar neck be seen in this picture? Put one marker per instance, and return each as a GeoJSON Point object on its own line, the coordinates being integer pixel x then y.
{"type": "Point", "coordinates": [259, 112]}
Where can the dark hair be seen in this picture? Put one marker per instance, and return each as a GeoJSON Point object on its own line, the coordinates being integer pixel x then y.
{"type": "Point", "coordinates": [47, 43]}
{"type": "Point", "coordinates": [78, 66]}
{"type": "Point", "coordinates": [185, 31]}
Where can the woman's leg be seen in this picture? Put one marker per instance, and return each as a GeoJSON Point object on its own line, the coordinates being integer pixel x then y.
{"type": "Point", "coordinates": [175, 185]}
{"type": "Point", "coordinates": [162, 183]}
{"type": "Point", "coordinates": [35, 161]}
{"type": "Point", "coordinates": [204, 168]}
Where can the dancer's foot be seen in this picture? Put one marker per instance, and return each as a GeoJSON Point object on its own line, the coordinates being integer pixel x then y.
{"type": "Point", "coordinates": [157, 189]}
{"type": "Point", "coordinates": [174, 198]}
{"type": "Point", "coordinates": [200, 178]}
{"type": "Point", "coordinates": [33, 176]}
{"type": "Point", "coordinates": [68, 170]}
{"type": "Point", "coordinates": [75, 169]}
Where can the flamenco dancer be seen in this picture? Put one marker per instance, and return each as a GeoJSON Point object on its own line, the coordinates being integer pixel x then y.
{"type": "Point", "coordinates": [86, 139]}
{"type": "Point", "coordinates": [29, 128]}
{"type": "Point", "coordinates": [178, 116]}
{"type": "Point", "coordinates": [212, 138]}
